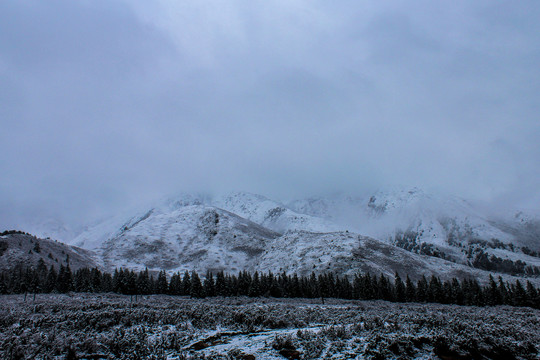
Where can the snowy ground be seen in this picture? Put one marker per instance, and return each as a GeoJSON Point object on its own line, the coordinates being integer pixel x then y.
{"type": "Point", "coordinates": [109, 326]}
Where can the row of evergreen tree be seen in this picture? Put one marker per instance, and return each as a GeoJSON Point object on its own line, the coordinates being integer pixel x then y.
{"type": "Point", "coordinates": [41, 279]}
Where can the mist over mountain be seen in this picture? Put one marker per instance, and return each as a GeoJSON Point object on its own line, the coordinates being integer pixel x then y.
{"type": "Point", "coordinates": [406, 230]}
{"type": "Point", "coordinates": [107, 105]}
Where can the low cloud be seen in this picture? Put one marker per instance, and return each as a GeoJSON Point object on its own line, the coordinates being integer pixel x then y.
{"type": "Point", "coordinates": [104, 104]}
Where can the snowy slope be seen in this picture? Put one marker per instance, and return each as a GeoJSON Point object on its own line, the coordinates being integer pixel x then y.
{"type": "Point", "coordinates": [96, 234]}
{"type": "Point", "coordinates": [243, 231]}
{"type": "Point", "coordinates": [350, 253]}
{"type": "Point", "coordinates": [524, 227]}
{"type": "Point", "coordinates": [379, 214]}
{"type": "Point", "coordinates": [28, 250]}
{"type": "Point", "coordinates": [193, 237]}
{"type": "Point", "coordinates": [444, 226]}
{"type": "Point", "coordinates": [272, 214]}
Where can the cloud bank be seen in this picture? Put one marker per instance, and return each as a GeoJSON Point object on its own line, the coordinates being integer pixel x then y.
{"type": "Point", "coordinates": [108, 103]}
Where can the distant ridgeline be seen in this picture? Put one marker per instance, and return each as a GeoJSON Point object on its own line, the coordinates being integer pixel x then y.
{"type": "Point", "coordinates": [13, 232]}
{"type": "Point", "coordinates": [23, 279]}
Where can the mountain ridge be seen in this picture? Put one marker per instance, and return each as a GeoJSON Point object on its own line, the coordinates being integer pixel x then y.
{"type": "Point", "coordinates": [253, 232]}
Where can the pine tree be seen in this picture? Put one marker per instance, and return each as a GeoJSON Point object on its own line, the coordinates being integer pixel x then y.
{"type": "Point", "coordinates": [64, 281]}
{"type": "Point", "coordinates": [312, 286]}
{"type": "Point", "coordinates": [143, 282]}
{"type": "Point", "coordinates": [68, 280]}
{"type": "Point", "coordinates": [116, 281]}
{"type": "Point", "coordinates": [231, 285]}
{"type": "Point", "coordinates": [456, 294]}
{"type": "Point", "coordinates": [41, 275]}
{"type": "Point", "coordinates": [106, 282]}
{"type": "Point", "coordinates": [96, 280]}
{"type": "Point", "coordinates": [208, 285]}
{"type": "Point", "coordinates": [493, 295]}
{"type": "Point", "coordinates": [400, 294]}
{"type": "Point", "coordinates": [221, 286]}
{"type": "Point", "coordinates": [532, 296]}
{"type": "Point", "coordinates": [422, 294]}
{"type": "Point", "coordinates": [244, 282]}
{"type": "Point", "coordinates": [503, 290]}
{"type": "Point", "coordinates": [295, 289]}
{"type": "Point", "coordinates": [161, 285]}
{"type": "Point", "coordinates": [255, 287]}
{"type": "Point", "coordinates": [410, 290]}
{"type": "Point", "coordinates": [196, 290]}
{"type": "Point", "coordinates": [446, 292]}
{"type": "Point", "coordinates": [81, 280]}
{"type": "Point", "coordinates": [472, 293]}
{"type": "Point", "coordinates": [330, 285]}
{"type": "Point", "coordinates": [275, 290]}
{"type": "Point", "coordinates": [186, 284]}
{"type": "Point", "coordinates": [175, 285]}
{"type": "Point", "coordinates": [435, 290]}
{"type": "Point", "coordinates": [283, 284]}
{"type": "Point", "coordinates": [385, 290]}
{"type": "Point", "coordinates": [31, 280]}
{"type": "Point", "coordinates": [131, 283]}
{"type": "Point", "coordinates": [343, 288]}
{"type": "Point", "coordinates": [357, 286]}
{"type": "Point", "coordinates": [519, 294]}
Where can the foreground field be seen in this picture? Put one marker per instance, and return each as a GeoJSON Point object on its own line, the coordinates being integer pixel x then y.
{"type": "Point", "coordinates": [107, 326]}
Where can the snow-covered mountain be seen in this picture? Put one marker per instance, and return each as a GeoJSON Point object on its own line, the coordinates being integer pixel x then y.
{"type": "Point", "coordinates": [190, 237]}
{"type": "Point", "coordinates": [442, 226]}
{"type": "Point", "coordinates": [262, 211]}
{"type": "Point", "coordinates": [94, 235]}
{"type": "Point", "coordinates": [404, 230]}
{"type": "Point", "coordinates": [20, 248]}
{"type": "Point", "coordinates": [272, 214]}
{"type": "Point", "coordinates": [349, 253]}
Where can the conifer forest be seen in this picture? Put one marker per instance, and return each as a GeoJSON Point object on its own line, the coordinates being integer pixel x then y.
{"type": "Point", "coordinates": [90, 314]}
{"type": "Point", "coordinates": [30, 280]}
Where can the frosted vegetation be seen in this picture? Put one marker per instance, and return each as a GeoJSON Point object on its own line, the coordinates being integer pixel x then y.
{"type": "Point", "coordinates": [94, 326]}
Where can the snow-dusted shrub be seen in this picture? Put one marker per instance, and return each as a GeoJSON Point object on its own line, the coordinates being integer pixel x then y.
{"type": "Point", "coordinates": [158, 326]}
{"type": "Point", "coordinates": [336, 332]}
{"type": "Point", "coordinates": [312, 345]}
{"type": "Point", "coordinates": [283, 342]}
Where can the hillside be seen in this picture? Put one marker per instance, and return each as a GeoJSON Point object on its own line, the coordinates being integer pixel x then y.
{"type": "Point", "coordinates": [272, 214]}
{"type": "Point", "coordinates": [349, 253]}
{"type": "Point", "coordinates": [406, 231]}
{"type": "Point", "coordinates": [193, 237]}
{"type": "Point", "coordinates": [441, 226]}
{"type": "Point", "coordinates": [20, 248]}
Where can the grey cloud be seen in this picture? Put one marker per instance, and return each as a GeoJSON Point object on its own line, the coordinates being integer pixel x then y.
{"type": "Point", "coordinates": [108, 103]}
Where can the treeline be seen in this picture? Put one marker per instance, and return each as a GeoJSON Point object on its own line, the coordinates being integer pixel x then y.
{"type": "Point", "coordinates": [41, 279]}
{"type": "Point", "coordinates": [495, 263]}
{"type": "Point", "coordinates": [14, 232]}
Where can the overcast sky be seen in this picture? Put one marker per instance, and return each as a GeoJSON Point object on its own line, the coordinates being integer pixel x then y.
{"type": "Point", "coordinates": [107, 103]}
